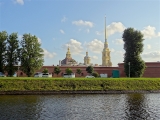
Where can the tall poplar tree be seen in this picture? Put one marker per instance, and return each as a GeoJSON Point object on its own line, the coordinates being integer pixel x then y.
{"type": "Point", "coordinates": [12, 56]}
{"type": "Point", "coordinates": [31, 54]}
{"type": "Point", "coordinates": [134, 66]}
{"type": "Point", "coordinates": [3, 42]}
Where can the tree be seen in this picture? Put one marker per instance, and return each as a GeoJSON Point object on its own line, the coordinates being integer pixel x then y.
{"type": "Point", "coordinates": [95, 74]}
{"type": "Point", "coordinates": [57, 70]}
{"type": "Point", "coordinates": [90, 69]}
{"type": "Point", "coordinates": [31, 54]}
{"type": "Point", "coordinates": [3, 42]}
{"type": "Point", "coordinates": [12, 54]}
{"type": "Point", "coordinates": [78, 71]}
{"type": "Point", "coordinates": [45, 70]}
{"type": "Point", "coordinates": [68, 71]}
{"type": "Point", "coordinates": [133, 63]}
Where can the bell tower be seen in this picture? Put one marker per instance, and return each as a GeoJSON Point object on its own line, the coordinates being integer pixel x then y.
{"type": "Point", "coordinates": [106, 59]}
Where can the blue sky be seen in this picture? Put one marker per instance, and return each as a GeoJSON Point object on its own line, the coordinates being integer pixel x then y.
{"type": "Point", "coordinates": [80, 25]}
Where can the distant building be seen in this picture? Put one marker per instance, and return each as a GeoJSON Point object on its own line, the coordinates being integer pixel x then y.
{"type": "Point", "coordinates": [106, 59]}
{"type": "Point", "coordinates": [87, 59]}
{"type": "Point", "coordinates": [68, 61]}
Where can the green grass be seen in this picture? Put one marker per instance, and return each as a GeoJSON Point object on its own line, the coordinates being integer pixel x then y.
{"type": "Point", "coordinates": [58, 84]}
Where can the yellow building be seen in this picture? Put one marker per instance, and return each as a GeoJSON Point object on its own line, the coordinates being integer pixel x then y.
{"type": "Point", "coordinates": [87, 59]}
{"type": "Point", "coordinates": [106, 59]}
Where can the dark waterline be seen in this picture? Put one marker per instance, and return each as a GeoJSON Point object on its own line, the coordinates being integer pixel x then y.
{"type": "Point", "coordinates": [80, 107]}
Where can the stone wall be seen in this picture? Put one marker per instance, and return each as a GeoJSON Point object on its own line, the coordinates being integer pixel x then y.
{"type": "Point", "coordinates": [152, 70]}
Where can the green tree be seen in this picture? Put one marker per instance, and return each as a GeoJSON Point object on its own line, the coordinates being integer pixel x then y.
{"type": "Point", "coordinates": [78, 71]}
{"type": "Point", "coordinates": [31, 54]}
{"type": "Point", "coordinates": [90, 69]}
{"type": "Point", "coordinates": [95, 74]}
{"type": "Point", "coordinates": [57, 70]}
{"type": "Point", "coordinates": [12, 54]}
{"type": "Point", "coordinates": [45, 70]}
{"type": "Point", "coordinates": [133, 47]}
{"type": "Point", "coordinates": [3, 42]}
{"type": "Point", "coordinates": [68, 71]}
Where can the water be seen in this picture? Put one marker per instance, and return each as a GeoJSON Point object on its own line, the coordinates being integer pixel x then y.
{"type": "Point", "coordinates": [80, 107]}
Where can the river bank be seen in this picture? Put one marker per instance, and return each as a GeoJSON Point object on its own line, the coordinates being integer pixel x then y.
{"type": "Point", "coordinates": [78, 85]}
{"type": "Point", "coordinates": [76, 92]}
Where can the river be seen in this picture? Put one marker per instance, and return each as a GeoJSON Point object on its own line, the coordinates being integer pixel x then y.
{"type": "Point", "coordinates": [80, 107]}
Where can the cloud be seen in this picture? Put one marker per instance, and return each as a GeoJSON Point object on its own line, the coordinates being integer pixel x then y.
{"type": "Point", "coordinates": [47, 54]}
{"type": "Point", "coordinates": [63, 19]}
{"type": "Point", "coordinates": [39, 40]}
{"type": "Point", "coordinates": [148, 46]}
{"type": "Point", "coordinates": [115, 27]}
{"type": "Point", "coordinates": [75, 46]}
{"type": "Point", "coordinates": [21, 2]}
{"type": "Point", "coordinates": [119, 42]}
{"type": "Point", "coordinates": [94, 57]}
{"type": "Point", "coordinates": [83, 23]}
{"type": "Point", "coordinates": [153, 54]}
{"type": "Point", "coordinates": [87, 30]}
{"type": "Point", "coordinates": [99, 33]}
{"type": "Point", "coordinates": [119, 53]}
{"type": "Point", "coordinates": [62, 31]}
{"type": "Point", "coordinates": [95, 46]}
{"type": "Point", "coordinates": [149, 32]}
{"type": "Point", "coordinates": [112, 50]}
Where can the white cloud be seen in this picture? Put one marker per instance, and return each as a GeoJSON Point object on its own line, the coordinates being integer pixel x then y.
{"type": "Point", "coordinates": [63, 19]}
{"type": "Point", "coordinates": [75, 46]}
{"type": "Point", "coordinates": [62, 31]}
{"type": "Point", "coordinates": [112, 50]}
{"type": "Point", "coordinates": [148, 46]}
{"type": "Point", "coordinates": [119, 53]}
{"type": "Point", "coordinates": [47, 54]}
{"type": "Point", "coordinates": [153, 54]}
{"type": "Point", "coordinates": [115, 27]}
{"type": "Point", "coordinates": [87, 30]}
{"type": "Point", "coordinates": [39, 40]}
{"type": "Point", "coordinates": [83, 23]}
{"type": "Point", "coordinates": [99, 33]}
{"type": "Point", "coordinates": [119, 42]}
{"type": "Point", "coordinates": [21, 2]}
{"type": "Point", "coordinates": [149, 32]}
{"type": "Point", "coordinates": [94, 57]}
{"type": "Point", "coordinates": [95, 46]}
{"type": "Point", "coordinates": [158, 34]}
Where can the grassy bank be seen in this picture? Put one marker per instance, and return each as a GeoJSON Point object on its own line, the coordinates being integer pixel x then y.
{"type": "Point", "coordinates": [59, 84]}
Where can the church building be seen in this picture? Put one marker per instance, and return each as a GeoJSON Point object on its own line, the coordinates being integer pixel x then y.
{"type": "Point", "coordinates": [69, 61]}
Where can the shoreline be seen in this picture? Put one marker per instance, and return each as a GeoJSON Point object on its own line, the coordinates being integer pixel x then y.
{"type": "Point", "coordinates": [76, 92]}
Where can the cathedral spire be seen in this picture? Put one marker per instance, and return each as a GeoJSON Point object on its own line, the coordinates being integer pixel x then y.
{"type": "Point", "coordinates": [105, 30]}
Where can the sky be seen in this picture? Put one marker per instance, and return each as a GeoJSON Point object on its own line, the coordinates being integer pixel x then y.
{"type": "Point", "coordinates": [79, 24]}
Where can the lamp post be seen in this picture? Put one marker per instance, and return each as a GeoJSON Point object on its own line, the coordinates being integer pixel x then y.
{"type": "Point", "coordinates": [129, 69]}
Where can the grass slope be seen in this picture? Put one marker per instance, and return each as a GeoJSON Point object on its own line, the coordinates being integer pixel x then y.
{"type": "Point", "coordinates": [58, 84]}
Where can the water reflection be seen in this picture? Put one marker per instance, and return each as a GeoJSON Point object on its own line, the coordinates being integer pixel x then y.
{"type": "Point", "coordinates": [81, 107]}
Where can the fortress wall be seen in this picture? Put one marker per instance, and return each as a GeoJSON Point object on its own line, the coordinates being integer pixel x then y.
{"type": "Point", "coordinates": [152, 70]}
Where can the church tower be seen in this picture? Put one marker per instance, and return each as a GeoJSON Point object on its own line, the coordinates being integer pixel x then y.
{"type": "Point", "coordinates": [87, 59]}
{"type": "Point", "coordinates": [106, 59]}
{"type": "Point", "coordinates": [68, 54]}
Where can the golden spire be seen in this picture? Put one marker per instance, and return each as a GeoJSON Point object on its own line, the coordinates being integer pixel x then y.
{"type": "Point", "coordinates": [105, 30]}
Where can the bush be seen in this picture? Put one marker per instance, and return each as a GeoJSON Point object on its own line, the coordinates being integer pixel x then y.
{"type": "Point", "coordinates": [95, 74]}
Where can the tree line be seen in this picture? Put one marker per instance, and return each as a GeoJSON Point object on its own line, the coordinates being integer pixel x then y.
{"type": "Point", "coordinates": [27, 53]}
